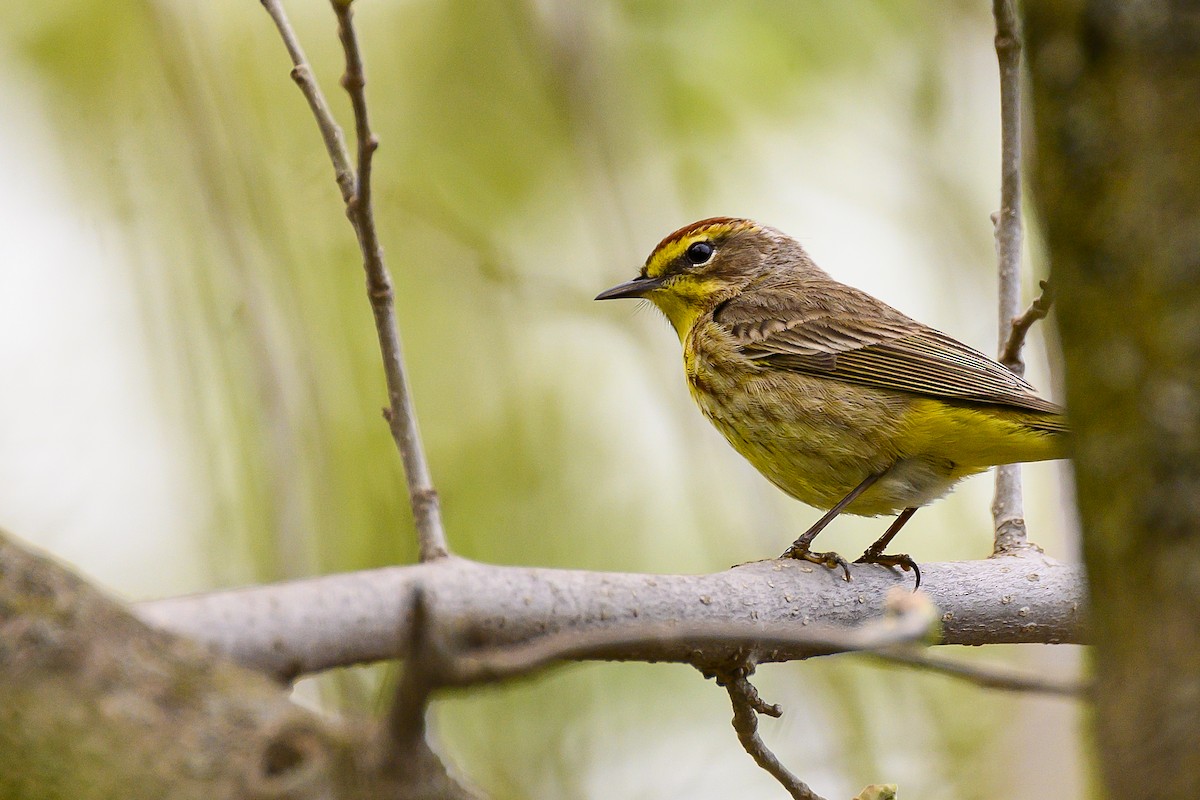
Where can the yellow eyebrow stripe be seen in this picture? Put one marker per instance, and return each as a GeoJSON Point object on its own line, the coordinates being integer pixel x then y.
{"type": "Point", "coordinates": [674, 245]}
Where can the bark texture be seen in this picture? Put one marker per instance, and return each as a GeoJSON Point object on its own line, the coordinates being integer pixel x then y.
{"type": "Point", "coordinates": [1116, 101]}
{"type": "Point", "coordinates": [305, 626]}
{"type": "Point", "coordinates": [95, 705]}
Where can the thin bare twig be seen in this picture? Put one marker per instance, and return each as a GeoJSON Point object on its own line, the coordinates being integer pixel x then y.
{"type": "Point", "coordinates": [401, 414]}
{"type": "Point", "coordinates": [909, 618]}
{"type": "Point", "coordinates": [1007, 507]}
{"type": "Point", "coordinates": [747, 705]}
{"type": "Point", "coordinates": [331, 132]}
{"type": "Point", "coordinates": [986, 676]}
{"type": "Point", "coordinates": [356, 194]}
{"type": "Point", "coordinates": [1010, 354]}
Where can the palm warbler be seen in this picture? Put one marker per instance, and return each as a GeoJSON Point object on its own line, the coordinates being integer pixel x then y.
{"type": "Point", "coordinates": [837, 398]}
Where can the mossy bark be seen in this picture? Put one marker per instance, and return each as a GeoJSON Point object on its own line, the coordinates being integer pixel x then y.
{"type": "Point", "coordinates": [1116, 172]}
{"type": "Point", "coordinates": [95, 705]}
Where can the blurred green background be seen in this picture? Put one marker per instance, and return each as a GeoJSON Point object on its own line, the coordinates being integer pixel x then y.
{"type": "Point", "coordinates": [191, 388]}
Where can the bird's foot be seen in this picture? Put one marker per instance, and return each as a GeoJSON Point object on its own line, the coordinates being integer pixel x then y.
{"type": "Point", "coordinates": [832, 560]}
{"type": "Point", "coordinates": [902, 560]}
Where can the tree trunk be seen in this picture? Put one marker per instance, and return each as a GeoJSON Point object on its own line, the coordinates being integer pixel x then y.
{"type": "Point", "coordinates": [1116, 169]}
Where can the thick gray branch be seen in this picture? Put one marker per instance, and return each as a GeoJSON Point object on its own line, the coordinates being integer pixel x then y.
{"type": "Point", "coordinates": [306, 626]}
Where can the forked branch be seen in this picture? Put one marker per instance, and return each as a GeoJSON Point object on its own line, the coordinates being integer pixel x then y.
{"type": "Point", "coordinates": [355, 187]}
{"type": "Point", "coordinates": [909, 618]}
{"type": "Point", "coordinates": [1010, 354]}
{"type": "Point", "coordinates": [747, 705]}
{"type": "Point", "coordinates": [438, 660]}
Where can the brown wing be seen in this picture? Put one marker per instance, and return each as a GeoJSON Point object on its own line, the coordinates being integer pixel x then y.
{"type": "Point", "coordinates": [849, 335]}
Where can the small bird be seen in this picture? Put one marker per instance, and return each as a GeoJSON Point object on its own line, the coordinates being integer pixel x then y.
{"type": "Point", "coordinates": [837, 398]}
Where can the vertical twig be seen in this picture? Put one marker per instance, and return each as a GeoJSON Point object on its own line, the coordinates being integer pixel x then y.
{"type": "Point", "coordinates": [400, 414]}
{"type": "Point", "coordinates": [355, 187]}
{"type": "Point", "coordinates": [404, 751]}
{"type": "Point", "coordinates": [331, 132]}
{"type": "Point", "coordinates": [1007, 512]}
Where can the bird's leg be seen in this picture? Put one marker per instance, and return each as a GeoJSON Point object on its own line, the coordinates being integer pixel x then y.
{"type": "Point", "coordinates": [799, 548]}
{"type": "Point", "coordinates": [875, 555]}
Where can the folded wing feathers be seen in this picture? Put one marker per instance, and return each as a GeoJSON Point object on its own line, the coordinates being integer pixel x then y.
{"type": "Point", "coordinates": [890, 351]}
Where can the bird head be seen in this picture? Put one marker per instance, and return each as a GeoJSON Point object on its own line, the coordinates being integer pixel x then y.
{"type": "Point", "coordinates": [705, 263]}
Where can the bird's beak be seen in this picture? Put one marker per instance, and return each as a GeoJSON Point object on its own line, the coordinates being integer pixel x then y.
{"type": "Point", "coordinates": [638, 287]}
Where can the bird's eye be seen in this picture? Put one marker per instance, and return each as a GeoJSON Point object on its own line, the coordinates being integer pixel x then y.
{"type": "Point", "coordinates": [699, 253]}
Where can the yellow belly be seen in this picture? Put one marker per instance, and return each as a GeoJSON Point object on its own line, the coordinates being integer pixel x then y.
{"type": "Point", "coordinates": [817, 438]}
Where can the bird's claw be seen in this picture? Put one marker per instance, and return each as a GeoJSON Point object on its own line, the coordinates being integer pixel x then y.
{"type": "Point", "coordinates": [830, 559]}
{"type": "Point", "coordinates": [902, 560]}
